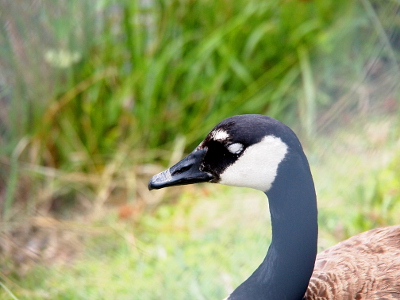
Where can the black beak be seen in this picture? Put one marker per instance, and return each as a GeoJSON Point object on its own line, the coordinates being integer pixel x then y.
{"type": "Point", "coordinates": [186, 171]}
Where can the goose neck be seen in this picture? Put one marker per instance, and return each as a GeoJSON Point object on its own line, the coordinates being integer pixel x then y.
{"type": "Point", "coordinates": [289, 263]}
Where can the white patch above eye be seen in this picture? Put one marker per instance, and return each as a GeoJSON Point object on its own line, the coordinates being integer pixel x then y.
{"type": "Point", "coordinates": [220, 135]}
{"type": "Point", "coordinates": [257, 167]}
{"type": "Point", "coordinates": [235, 148]}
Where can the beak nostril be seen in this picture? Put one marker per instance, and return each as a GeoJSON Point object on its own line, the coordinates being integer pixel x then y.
{"type": "Point", "coordinates": [182, 169]}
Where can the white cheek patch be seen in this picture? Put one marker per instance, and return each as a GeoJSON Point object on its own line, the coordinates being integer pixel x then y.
{"type": "Point", "coordinates": [258, 165]}
{"type": "Point", "coordinates": [235, 148]}
{"type": "Point", "coordinates": [220, 135]}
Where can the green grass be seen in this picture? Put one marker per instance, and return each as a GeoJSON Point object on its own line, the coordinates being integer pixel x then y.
{"type": "Point", "coordinates": [98, 88]}
{"type": "Point", "coordinates": [188, 250]}
{"type": "Point", "coordinates": [210, 238]}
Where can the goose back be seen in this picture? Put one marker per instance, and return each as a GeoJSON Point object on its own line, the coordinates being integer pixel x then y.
{"type": "Point", "coordinates": [365, 266]}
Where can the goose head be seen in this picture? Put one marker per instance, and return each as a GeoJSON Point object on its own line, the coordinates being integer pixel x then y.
{"type": "Point", "coordinates": [243, 150]}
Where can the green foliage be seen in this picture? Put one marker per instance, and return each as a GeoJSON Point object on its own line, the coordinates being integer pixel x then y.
{"type": "Point", "coordinates": [379, 200]}
{"type": "Point", "coordinates": [139, 74]}
{"type": "Point", "coordinates": [358, 180]}
{"type": "Point", "coordinates": [180, 253]}
{"type": "Point", "coordinates": [96, 82]}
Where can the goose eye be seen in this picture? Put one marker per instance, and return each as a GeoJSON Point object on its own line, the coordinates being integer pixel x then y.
{"type": "Point", "coordinates": [235, 148]}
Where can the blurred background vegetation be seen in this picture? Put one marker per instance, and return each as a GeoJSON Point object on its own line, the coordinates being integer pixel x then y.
{"type": "Point", "coordinates": [97, 96]}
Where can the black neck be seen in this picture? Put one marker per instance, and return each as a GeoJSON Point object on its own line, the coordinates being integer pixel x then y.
{"type": "Point", "coordinates": [285, 272]}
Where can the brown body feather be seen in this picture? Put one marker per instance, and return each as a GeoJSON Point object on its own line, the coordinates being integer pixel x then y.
{"type": "Point", "coordinates": [366, 266]}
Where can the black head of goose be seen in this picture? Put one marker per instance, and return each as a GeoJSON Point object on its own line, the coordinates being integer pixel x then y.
{"type": "Point", "coordinates": [260, 152]}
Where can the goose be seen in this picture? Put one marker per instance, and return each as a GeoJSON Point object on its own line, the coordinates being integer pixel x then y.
{"type": "Point", "coordinates": [259, 152]}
